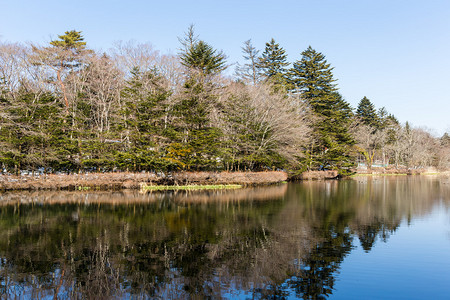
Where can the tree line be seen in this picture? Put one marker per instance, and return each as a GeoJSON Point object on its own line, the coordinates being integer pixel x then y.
{"type": "Point", "coordinates": [66, 107]}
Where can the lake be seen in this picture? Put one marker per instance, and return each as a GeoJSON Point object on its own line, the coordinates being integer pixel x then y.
{"type": "Point", "coordinates": [365, 238]}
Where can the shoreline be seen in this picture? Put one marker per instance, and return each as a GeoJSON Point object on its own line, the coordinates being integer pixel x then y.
{"type": "Point", "coordinates": [446, 173]}
{"type": "Point", "coordinates": [127, 180]}
{"type": "Point", "coordinates": [171, 181]}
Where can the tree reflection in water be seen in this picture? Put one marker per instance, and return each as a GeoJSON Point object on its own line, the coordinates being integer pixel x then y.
{"type": "Point", "coordinates": [263, 243]}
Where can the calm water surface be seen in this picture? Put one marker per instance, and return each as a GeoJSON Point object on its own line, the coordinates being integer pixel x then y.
{"type": "Point", "coordinates": [369, 238]}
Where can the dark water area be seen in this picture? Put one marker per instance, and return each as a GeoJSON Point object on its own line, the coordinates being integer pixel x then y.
{"type": "Point", "coordinates": [368, 238]}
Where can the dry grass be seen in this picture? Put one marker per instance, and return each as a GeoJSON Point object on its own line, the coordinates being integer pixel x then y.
{"type": "Point", "coordinates": [242, 178]}
{"type": "Point", "coordinates": [100, 181]}
{"type": "Point", "coordinates": [116, 181]}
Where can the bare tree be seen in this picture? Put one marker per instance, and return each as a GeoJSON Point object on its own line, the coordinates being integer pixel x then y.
{"type": "Point", "coordinates": [411, 147]}
{"type": "Point", "coordinates": [271, 122]}
{"type": "Point", "coordinates": [130, 55]}
{"type": "Point", "coordinates": [12, 67]}
{"type": "Point", "coordinates": [249, 71]}
{"type": "Point", "coordinates": [170, 68]}
{"type": "Point", "coordinates": [143, 57]}
{"type": "Point", "coordinates": [443, 155]}
{"type": "Point", "coordinates": [369, 141]}
{"type": "Point", "coordinates": [188, 40]}
{"type": "Point", "coordinates": [424, 150]}
{"type": "Point", "coordinates": [102, 83]}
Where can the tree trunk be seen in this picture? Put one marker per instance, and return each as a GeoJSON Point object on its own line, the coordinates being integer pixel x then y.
{"type": "Point", "coordinates": [63, 89]}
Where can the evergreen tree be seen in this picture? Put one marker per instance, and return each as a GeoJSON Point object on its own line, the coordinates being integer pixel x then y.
{"type": "Point", "coordinates": [203, 58]}
{"type": "Point", "coordinates": [367, 114]}
{"type": "Point", "coordinates": [382, 113]}
{"type": "Point", "coordinates": [393, 119]}
{"type": "Point", "coordinates": [64, 55]}
{"type": "Point", "coordinates": [313, 78]}
{"type": "Point", "coordinates": [30, 133]}
{"type": "Point", "coordinates": [273, 62]}
{"type": "Point", "coordinates": [143, 126]}
{"type": "Point", "coordinates": [198, 139]}
{"type": "Point", "coordinates": [71, 40]}
{"type": "Point", "coordinates": [385, 119]}
{"type": "Point", "coordinates": [445, 140]}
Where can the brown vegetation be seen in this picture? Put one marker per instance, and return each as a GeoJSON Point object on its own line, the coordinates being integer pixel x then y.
{"type": "Point", "coordinates": [125, 180]}
{"type": "Point", "coordinates": [243, 178]}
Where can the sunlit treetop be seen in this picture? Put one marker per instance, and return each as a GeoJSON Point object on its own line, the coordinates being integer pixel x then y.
{"type": "Point", "coordinates": [204, 58]}
{"type": "Point", "coordinates": [273, 60]}
{"type": "Point", "coordinates": [70, 40]}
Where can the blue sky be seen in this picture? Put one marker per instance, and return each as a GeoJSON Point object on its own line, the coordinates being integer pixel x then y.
{"type": "Point", "coordinates": [395, 52]}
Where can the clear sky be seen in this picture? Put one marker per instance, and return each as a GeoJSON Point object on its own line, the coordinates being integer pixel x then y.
{"type": "Point", "coordinates": [395, 52]}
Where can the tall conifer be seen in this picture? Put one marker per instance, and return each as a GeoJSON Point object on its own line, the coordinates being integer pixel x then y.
{"type": "Point", "coordinates": [367, 113]}
{"type": "Point", "coordinates": [312, 77]}
{"type": "Point", "coordinates": [199, 137]}
{"type": "Point", "coordinates": [273, 62]}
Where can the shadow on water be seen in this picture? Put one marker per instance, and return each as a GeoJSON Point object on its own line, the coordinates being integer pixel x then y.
{"type": "Point", "coordinates": [272, 242]}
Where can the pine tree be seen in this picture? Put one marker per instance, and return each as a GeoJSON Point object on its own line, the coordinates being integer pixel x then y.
{"type": "Point", "coordinates": [202, 62]}
{"type": "Point", "coordinates": [64, 55]}
{"type": "Point", "coordinates": [143, 125]}
{"type": "Point", "coordinates": [203, 58]}
{"type": "Point", "coordinates": [273, 62]}
{"type": "Point", "coordinates": [367, 114]}
{"type": "Point", "coordinates": [198, 139]}
{"type": "Point", "coordinates": [30, 132]}
{"type": "Point", "coordinates": [312, 77]}
{"type": "Point", "coordinates": [71, 40]}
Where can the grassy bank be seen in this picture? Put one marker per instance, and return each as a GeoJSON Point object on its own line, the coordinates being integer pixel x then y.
{"type": "Point", "coordinates": [125, 180]}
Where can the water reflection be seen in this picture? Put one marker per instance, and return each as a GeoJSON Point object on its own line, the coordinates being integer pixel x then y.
{"type": "Point", "coordinates": [274, 242]}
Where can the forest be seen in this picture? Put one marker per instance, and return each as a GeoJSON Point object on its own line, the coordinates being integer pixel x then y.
{"type": "Point", "coordinates": [67, 108]}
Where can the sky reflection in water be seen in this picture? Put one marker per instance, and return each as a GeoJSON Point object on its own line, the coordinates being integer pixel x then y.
{"type": "Point", "coordinates": [368, 238]}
